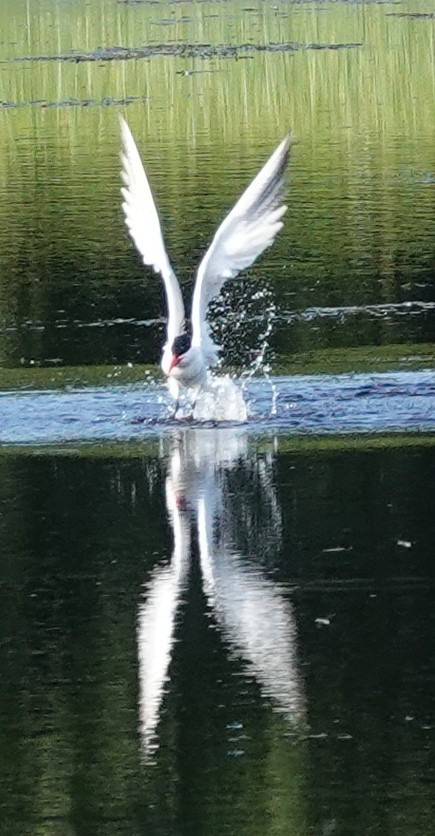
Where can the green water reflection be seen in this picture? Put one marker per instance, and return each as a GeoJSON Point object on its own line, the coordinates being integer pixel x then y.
{"type": "Point", "coordinates": [359, 231]}
{"type": "Point", "coordinates": [86, 541]}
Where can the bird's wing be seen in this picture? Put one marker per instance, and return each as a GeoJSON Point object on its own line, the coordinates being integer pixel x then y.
{"type": "Point", "coordinates": [250, 227]}
{"type": "Point", "coordinates": [143, 224]}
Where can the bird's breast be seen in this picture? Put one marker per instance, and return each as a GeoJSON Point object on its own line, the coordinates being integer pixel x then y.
{"type": "Point", "coordinates": [190, 371]}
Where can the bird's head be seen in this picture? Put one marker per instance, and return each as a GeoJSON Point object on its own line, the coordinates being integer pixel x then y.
{"type": "Point", "coordinates": [180, 347]}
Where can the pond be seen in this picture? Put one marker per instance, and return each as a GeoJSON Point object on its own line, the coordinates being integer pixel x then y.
{"type": "Point", "coordinates": [218, 634]}
{"type": "Point", "coordinates": [220, 624]}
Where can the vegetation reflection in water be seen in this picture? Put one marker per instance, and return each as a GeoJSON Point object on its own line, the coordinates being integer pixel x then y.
{"type": "Point", "coordinates": [213, 738]}
{"type": "Point", "coordinates": [359, 232]}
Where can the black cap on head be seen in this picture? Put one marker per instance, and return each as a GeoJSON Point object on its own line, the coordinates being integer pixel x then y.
{"type": "Point", "coordinates": [181, 345]}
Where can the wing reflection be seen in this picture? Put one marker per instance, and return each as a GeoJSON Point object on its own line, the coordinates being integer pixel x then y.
{"type": "Point", "coordinates": [254, 614]}
{"type": "Point", "coordinates": [156, 619]}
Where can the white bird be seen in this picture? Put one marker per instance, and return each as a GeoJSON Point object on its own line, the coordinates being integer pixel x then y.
{"type": "Point", "coordinates": [245, 233]}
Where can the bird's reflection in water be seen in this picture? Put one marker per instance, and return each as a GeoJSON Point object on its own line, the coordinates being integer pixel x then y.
{"type": "Point", "coordinates": [210, 486]}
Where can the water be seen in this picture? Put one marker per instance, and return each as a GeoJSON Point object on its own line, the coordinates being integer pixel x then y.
{"type": "Point", "coordinates": [238, 597]}
{"type": "Point", "coordinates": [212, 631]}
{"type": "Point", "coordinates": [358, 403]}
{"type": "Point", "coordinates": [353, 266]}
{"type": "Point", "coordinates": [210, 625]}
{"type": "Point", "coordinates": [221, 624]}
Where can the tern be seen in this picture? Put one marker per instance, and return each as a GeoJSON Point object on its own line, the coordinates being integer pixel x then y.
{"type": "Point", "coordinates": [244, 234]}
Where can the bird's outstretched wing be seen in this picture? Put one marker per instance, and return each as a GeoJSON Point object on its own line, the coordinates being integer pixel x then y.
{"type": "Point", "coordinates": [143, 222]}
{"type": "Point", "coordinates": [250, 227]}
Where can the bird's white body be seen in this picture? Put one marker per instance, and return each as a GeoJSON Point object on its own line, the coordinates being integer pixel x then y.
{"type": "Point", "coordinates": [189, 373]}
{"type": "Point", "coordinates": [250, 227]}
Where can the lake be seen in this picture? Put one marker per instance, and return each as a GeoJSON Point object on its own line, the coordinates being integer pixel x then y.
{"type": "Point", "coordinates": [218, 626]}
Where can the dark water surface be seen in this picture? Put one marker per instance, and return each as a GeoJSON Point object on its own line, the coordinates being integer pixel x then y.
{"type": "Point", "coordinates": [218, 636]}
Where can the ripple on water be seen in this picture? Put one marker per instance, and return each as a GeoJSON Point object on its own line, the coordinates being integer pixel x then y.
{"type": "Point", "coordinates": [363, 403]}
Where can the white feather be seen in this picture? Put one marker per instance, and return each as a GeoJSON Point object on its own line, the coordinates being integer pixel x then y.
{"type": "Point", "coordinates": [246, 232]}
{"type": "Point", "coordinates": [143, 223]}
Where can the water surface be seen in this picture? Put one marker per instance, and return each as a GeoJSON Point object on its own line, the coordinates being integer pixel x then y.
{"type": "Point", "coordinates": [215, 633]}
{"type": "Point", "coordinates": [217, 629]}
{"type": "Point", "coordinates": [321, 404]}
{"type": "Point", "coordinates": [354, 265]}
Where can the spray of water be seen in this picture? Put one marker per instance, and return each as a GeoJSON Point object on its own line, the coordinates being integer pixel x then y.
{"type": "Point", "coordinates": [243, 319]}
{"type": "Point", "coordinates": [261, 362]}
{"type": "Point", "coordinates": [221, 399]}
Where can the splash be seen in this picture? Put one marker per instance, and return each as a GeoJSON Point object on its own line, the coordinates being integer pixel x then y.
{"type": "Point", "coordinates": [221, 399]}
{"type": "Point", "coordinates": [244, 318]}
{"type": "Point", "coordinates": [260, 364]}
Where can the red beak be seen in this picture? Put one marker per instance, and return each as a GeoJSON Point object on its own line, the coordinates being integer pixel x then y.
{"type": "Point", "coordinates": [175, 361]}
